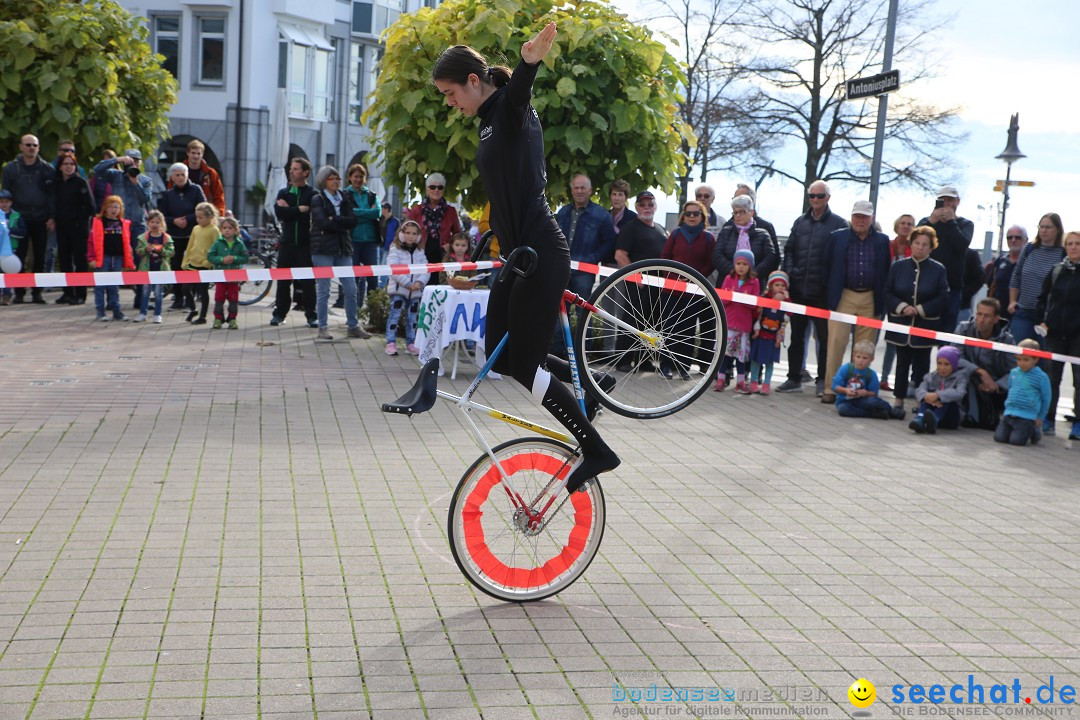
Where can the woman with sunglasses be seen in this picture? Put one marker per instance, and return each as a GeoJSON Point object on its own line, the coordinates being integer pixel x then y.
{"type": "Point", "coordinates": [510, 159]}
{"type": "Point", "coordinates": [691, 244]}
{"type": "Point", "coordinates": [437, 218]}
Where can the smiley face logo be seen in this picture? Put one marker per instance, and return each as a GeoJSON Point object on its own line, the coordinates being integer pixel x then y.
{"type": "Point", "coordinates": [862, 693]}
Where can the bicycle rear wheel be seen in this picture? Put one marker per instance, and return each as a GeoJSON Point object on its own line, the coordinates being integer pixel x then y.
{"type": "Point", "coordinates": [252, 291]}
{"type": "Point", "coordinates": [489, 539]}
{"type": "Point", "coordinates": [675, 346]}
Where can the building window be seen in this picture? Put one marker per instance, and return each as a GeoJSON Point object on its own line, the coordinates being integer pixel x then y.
{"type": "Point", "coordinates": [371, 18]}
{"type": "Point", "coordinates": [306, 70]}
{"type": "Point", "coordinates": [211, 51]}
{"type": "Point", "coordinates": [166, 29]}
{"type": "Point", "coordinates": [361, 17]}
{"type": "Point", "coordinates": [356, 83]}
{"type": "Point", "coordinates": [322, 83]}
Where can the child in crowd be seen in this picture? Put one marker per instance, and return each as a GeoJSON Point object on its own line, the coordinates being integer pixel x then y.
{"type": "Point", "coordinates": [203, 236]}
{"type": "Point", "coordinates": [740, 319]}
{"type": "Point", "coordinates": [154, 249]}
{"type": "Point", "coordinates": [405, 291]}
{"type": "Point", "coordinates": [457, 252]}
{"type": "Point", "coordinates": [227, 253]}
{"type": "Point", "coordinates": [1028, 401]}
{"type": "Point", "coordinates": [109, 250]}
{"type": "Point", "coordinates": [15, 231]}
{"type": "Point", "coordinates": [856, 386]}
{"type": "Point", "coordinates": [768, 336]}
{"type": "Point", "coordinates": [941, 393]}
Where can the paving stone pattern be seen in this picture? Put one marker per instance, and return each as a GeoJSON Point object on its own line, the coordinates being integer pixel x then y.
{"type": "Point", "coordinates": [221, 524]}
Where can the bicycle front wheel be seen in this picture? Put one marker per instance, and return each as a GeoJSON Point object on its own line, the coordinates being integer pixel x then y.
{"type": "Point", "coordinates": [491, 540]}
{"type": "Point", "coordinates": [660, 331]}
{"type": "Point", "coordinates": [252, 291]}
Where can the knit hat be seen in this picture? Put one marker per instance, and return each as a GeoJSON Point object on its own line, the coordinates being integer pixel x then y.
{"type": "Point", "coordinates": [777, 275]}
{"type": "Point", "coordinates": [746, 255]}
{"type": "Point", "coordinates": [950, 354]}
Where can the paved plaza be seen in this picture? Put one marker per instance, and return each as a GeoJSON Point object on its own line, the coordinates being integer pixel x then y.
{"type": "Point", "coordinates": [222, 524]}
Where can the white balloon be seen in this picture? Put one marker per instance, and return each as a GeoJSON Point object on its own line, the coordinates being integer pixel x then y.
{"type": "Point", "coordinates": [10, 264]}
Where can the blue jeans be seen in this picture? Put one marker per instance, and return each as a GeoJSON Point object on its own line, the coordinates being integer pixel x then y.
{"type": "Point", "coordinates": [109, 263]}
{"type": "Point", "coordinates": [383, 280]}
{"type": "Point", "coordinates": [1017, 431]}
{"type": "Point", "coordinates": [144, 301]}
{"type": "Point", "coordinates": [365, 254]}
{"type": "Point", "coordinates": [322, 289]}
{"type": "Point", "coordinates": [862, 407]}
{"type": "Point", "coordinates": [400, 304]}
{"type": "Point", "coordinates": [1022, 325]}
{"type": "Point", "coordinates": [948, 415]}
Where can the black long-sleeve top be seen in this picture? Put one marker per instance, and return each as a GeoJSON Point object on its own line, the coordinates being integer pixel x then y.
{"type": "Point", "coordinates": [74, 200]}
{"type": "Point", "coordinates": [511, 162]}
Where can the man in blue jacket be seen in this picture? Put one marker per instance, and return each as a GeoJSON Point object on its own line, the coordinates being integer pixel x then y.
{"type": "Point", "coordinates": [589, 232]}
{"type": "Point", "coordinates": [856, 264]}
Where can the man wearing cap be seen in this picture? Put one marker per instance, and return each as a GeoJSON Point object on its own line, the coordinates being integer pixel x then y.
{"type": "Point", "coordinates": [804, 263]}
{"type": "Point", "coordinates": [32, 183]}
{"type": "Point", "coordinates": [135, 189]}
{"type": "Point", "coordinates": [954, 238]}
{"type": "Point", "coordinates": [856, 265]}
{"type": "Point", "coordinates": [639, 239]}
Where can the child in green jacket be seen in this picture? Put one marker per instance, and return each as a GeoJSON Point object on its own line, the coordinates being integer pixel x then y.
{"type": "Point", "coordinates": [227, 253]}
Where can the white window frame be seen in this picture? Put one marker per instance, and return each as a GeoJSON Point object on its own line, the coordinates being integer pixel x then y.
{"type": "Point", "coordinates": [200, 36]}
{"type": "Point", "coordinates": [309, 47]}
{"type": "Point", "coordinates": [157, 34]}
{"type": "Point", "coordinates": [357, 81]}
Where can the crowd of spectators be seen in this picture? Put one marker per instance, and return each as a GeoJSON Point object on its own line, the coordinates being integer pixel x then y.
{"type": "Point", "coordinates": [926, 276]}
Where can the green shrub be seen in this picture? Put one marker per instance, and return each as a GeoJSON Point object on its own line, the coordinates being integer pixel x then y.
{"type": "Point", "coordinates": [376, 309]}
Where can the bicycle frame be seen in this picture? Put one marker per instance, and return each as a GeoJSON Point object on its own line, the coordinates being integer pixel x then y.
{"type": "Point", "coordinates": [467, 405]}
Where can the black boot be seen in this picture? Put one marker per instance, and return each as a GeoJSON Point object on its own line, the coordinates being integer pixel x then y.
{"type": "Point", "coordinates": [596, 456]}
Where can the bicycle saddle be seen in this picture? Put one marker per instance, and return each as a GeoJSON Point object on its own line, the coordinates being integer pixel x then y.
{"type": "Point", "coordinates": [421, 397]}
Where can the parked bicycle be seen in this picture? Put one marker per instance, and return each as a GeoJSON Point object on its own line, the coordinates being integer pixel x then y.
{"type": "Point", "coordinates": [513, 531]}
{"type": "Point", "coordinates": [263, 253]}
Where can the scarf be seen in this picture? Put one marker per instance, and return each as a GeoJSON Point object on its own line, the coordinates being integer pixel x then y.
{"type": "Point", "coordinates": [433, 218]}
{"type": "Point", "coordinates": [335, 199]}
{"type": "Point", "coordinates": [743, 243]}
{"type": "Point", "coordinates": [1069, 264]}
{"type": "Point", "coordinates": [691, 233]}
{"type": "Point", "coordinates": [616, 219]}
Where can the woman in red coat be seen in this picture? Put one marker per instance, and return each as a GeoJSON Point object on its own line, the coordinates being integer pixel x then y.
{"type": "Point", "coordinates": [437, 218]}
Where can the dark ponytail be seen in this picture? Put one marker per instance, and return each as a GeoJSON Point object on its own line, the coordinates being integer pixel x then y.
{"type": "Point", "coordinates": [457, 63]}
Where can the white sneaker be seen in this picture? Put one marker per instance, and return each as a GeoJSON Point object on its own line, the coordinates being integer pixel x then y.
{"type": "Point", "coordinates": [140, 318]}
{"type": "Point", "coordinates": [157, 319]}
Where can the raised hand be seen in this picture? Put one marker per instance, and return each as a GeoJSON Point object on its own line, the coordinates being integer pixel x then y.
{"type": "Point", "coordinates": [534, 50]}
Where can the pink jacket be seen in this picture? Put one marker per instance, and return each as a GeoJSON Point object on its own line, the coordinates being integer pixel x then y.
{"type": "Point", "coordinates": [739, 315]}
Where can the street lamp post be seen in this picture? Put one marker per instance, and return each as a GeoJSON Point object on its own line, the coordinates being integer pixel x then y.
{"type": "Point", "coordinates": [1010, 154]}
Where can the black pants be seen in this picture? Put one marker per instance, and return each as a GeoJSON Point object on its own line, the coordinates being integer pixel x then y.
{"type": "Point", "coordinates": [910, 362]}
{"type": "Point", "coordinates": [290, 256]}
{"type": "Point", "coordinates": [201, 292]}
{"type": "Point", "coordinates": [37, 237]}
{"type": "Point", "coordinates": [180, 291]}
{"type": "Point", "coordinates": [1063, 346]}
{"type": "Point", "coordinates": [71, 238]}
{"type": "Point", "coordinates": [800, 325]}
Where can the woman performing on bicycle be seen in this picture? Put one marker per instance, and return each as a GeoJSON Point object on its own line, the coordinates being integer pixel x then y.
{"type": "Point", "coordinates": [510, 159]}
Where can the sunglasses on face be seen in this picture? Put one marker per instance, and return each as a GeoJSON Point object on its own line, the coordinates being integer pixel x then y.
{"type": "Point", "coordinates": [436, 187]}
{"type": "Point", "coordinates": [30, 144]}
{"type": "Point", "coordinates": [692, 213]}
{"type": "Point", "coordinates": [703, 196]}
{"type": "Point", "coordinates": [1014, 237]}
{"type": "Point", "coordinates": [816, 196]}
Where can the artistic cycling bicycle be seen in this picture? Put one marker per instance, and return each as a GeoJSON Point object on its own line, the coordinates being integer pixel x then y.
{"type": "Point", "coordinates": [514, 532]}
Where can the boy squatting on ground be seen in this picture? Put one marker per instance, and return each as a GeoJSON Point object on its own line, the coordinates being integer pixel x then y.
{"type": "Point", "coordinates": [856, 386]}
{"type": "Point", "coordinates": [1028, 400]}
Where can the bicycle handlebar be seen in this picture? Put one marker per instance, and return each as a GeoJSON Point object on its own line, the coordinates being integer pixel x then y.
{"type": "Point", "coordinates": [512, 262]}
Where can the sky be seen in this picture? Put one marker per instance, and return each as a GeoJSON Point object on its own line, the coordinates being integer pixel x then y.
{"type": "Point", "coordinates": [1000, 58]}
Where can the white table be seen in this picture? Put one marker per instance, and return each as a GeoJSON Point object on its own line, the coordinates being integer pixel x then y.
{"type": "Point", "coordinates": [450, 317]}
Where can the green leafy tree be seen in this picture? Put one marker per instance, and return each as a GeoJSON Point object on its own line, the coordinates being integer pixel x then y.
{"type": "Point", "coordinates": [608, 98]}
{"type": "Point", "coordinates": [80, 70]}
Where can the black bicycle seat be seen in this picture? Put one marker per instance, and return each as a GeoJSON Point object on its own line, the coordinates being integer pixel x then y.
{"type": "Point", "coordinates": [421, 397]}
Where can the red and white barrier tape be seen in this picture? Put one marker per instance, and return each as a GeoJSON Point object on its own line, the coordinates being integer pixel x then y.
{"type": "Point", "coordinates": [166, 277]}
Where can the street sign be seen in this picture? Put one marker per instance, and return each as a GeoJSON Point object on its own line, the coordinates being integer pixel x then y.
{"type": "Point", "coordinates": [874, 85]}
{"type": "Point", "coordinates": [1000, 184]}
